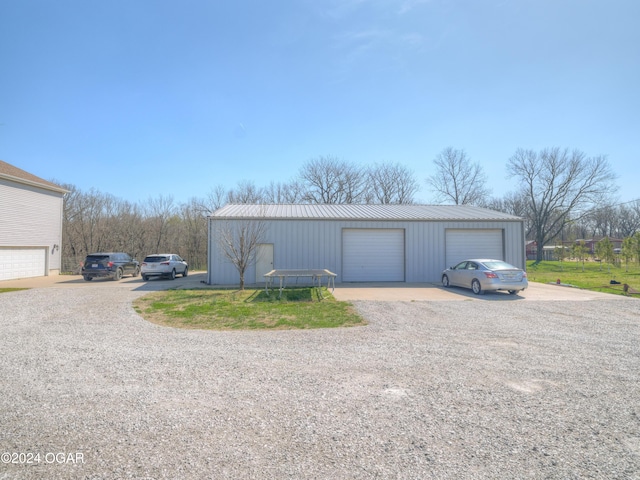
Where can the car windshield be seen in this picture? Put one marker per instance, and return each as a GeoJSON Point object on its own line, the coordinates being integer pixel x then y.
{"type": "Point", "coordinates": [156, 259]}
{"type": "Point", "coordinates": [499, 265]}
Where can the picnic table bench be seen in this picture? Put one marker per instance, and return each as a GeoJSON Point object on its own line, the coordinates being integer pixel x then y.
{"type": "Point", "coordinates": [629, 290]}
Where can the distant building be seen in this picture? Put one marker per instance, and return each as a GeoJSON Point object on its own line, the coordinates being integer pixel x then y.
{"type": "Point", "coordinates": [590, 244]}
{"type": "Point", "coordinates": [549, 251]}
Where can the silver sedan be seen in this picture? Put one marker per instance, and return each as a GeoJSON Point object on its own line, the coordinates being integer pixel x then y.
{"type": "Point", "coordinates": [481, 275]}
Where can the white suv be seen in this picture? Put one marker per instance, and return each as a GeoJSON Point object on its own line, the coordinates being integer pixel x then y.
{"type": "Point", "coordinates": [163, 265]}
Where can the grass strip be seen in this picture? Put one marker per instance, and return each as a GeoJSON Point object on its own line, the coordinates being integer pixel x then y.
{"type": "Point", "coordinates": [219, 309]}
{"type": "Point", "coordinates": [5, 290]}
{"type": "Point", "coordinates": [592, 275]}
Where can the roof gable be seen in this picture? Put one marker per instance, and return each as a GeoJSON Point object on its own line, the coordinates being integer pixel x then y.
{"type": "Point", "coordinates": [13, 173]}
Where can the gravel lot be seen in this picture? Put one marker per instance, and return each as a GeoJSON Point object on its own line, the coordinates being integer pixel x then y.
{"type": "Point", "coordinates": [456, 389]}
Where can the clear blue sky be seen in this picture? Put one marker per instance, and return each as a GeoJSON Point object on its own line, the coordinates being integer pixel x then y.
{"type": "Point", "coordinates": [138, 98]}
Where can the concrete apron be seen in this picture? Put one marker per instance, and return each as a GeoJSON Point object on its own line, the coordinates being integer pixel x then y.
{"type": "Point", "coordinates": [193, 280]}
{"type": "Point", "coordinates": [416, 292]}
{"type": "Point", "coordinates": [374, 291]}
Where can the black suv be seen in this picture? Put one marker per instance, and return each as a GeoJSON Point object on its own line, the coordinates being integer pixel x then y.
{"type": "Point", "coordinates": [112, 265]}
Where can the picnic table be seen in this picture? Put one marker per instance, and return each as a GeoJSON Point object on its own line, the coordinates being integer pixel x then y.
{"type": "Point", "coordinates": [626, 289]}
{"type": "Point", "coordinates": [316, 276]}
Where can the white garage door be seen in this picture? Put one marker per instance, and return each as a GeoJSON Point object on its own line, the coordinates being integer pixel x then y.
{"type": "Point", "coordinates": [22, 262]}
{"type": "Point", "coordinates": [473, 243]}
{"type": "Point", "coordinates": [372, 255]}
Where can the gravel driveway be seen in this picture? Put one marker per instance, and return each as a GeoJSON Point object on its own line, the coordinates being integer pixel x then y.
{"type": "Point", "coordinates": [429, 389]}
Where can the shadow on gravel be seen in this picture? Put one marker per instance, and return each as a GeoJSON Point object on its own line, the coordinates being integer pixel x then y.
{"type": "Point", "coordinates": [196, 280]}
{"type": "Point", "coordinates": [492, 296]}
{"type": "Point", "coordinates": [193, 281]}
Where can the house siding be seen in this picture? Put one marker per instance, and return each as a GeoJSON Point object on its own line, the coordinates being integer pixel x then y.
{"type": "Point", "coordinates": [31, 217]}
{"type": "Point", "coordinates": [316, 243]}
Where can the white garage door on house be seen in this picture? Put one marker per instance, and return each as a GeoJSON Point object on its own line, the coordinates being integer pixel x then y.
{"type": "Point", "coordinates": [462, 244]}
{"type": "Point", "coordinates": [17, 262]}
{"type": "Point", "coordinates": [373, 255]}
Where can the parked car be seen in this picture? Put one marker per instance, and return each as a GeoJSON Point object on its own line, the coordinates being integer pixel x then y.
{"type": "Point", "coordinates": [164, 265]}
{"type": "Point", "coordinates": [481, 275]}
{"type": "Point", "coordinates": [112, 265]}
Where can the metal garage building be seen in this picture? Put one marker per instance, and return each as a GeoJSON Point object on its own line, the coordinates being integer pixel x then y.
{"type": "Point", "coordinates": [30, 224]}
{"type": "Point", "coordinates": [366, 243]}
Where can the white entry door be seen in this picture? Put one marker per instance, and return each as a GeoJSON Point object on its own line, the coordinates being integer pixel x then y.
{"type": "Point", "coordinates": [264, 260]}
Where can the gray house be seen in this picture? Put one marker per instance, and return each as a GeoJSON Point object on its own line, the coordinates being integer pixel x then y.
{"type": "Point", "coordinates": [30, 224]}
{"type": "Point", "coordinates": [366, 243]}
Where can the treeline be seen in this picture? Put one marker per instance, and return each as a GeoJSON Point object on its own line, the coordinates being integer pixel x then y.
{"type": "Point", "coordinates": [97, 221]}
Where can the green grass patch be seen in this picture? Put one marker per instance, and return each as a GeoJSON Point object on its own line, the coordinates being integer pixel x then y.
{"type": "Point", "coordinates": [594, 276]}
{"type": "Point", "coordinates": [4, 290]}
{"type": "Point", "coordinates": [218, 309]}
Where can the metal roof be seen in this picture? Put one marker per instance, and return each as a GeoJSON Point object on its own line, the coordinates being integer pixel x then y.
{"type": "Point", "coordinates": [359, 212]}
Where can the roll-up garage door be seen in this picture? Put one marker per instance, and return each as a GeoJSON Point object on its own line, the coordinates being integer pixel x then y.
{"type": "Point", "coordinates": [16, 262]}
{"type": "Point", "coordinates": [473, 243]}
{"type": "Point", "coordinates": [372, 255]}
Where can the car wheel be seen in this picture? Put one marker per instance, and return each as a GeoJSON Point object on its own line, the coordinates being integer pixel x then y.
{"type": "Point", "coordinates": [475, 286]}
{"type": "Point", "coordinates": [136, 272]}
{"type": "Point", "coordinates": [118, 274]}
{"type": "Point", "coordinates": [445, 281]}
{"type": "Point", "coordinates": [145, 278]}
{"type": "Point", "coordinates": [172, 275]}
{"type": "Point", "coordinates": [87, 278]}
{"type": "Point", "coordinates": [186, 272]}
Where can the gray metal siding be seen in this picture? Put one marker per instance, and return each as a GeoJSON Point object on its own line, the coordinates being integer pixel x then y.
{"type": "Point", "coordinates": [30, 216]}
{"type": "Point", "coordinates": [317, 244]}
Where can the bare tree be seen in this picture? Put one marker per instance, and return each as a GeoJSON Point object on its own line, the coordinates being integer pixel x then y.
{"type": "Point", "coordinates": [391, 184]}
{"type": "Point", "coordinates": [245, 192]}
{"type": "Point", "coordinates": [92, 219]}
{"type": "Point", "coordinates": [560, 187]}
{"type": "Point", "coordinates": [126, 228]}
{"type": "Point", "coordinates": [159, 211]}
{"type": "Point", "coordinates": [93, 222]}
{"type": "Point", "coordinates": [215, 199]}
{"type": "Point", "coordinates": [283, 192]}
{"type": "Point", "coordinates": [203, 207]}
{"type": "Point", "coordinates": [329, 180]}
{"type": "Point", "coordinates": [603, 220]}
{"type": "Point", "coordinates": [193, 233]}
{"type": "Point", "coordinates": [238, 241]}
{"type": "Point", "coordinates": [513, 203]}
{"type": "Point", "coordinates": [457, 179]}
{"type": "Point", "coordinates": [629, 219]}
{"type": "Point", "coordinates": [73, 252]}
